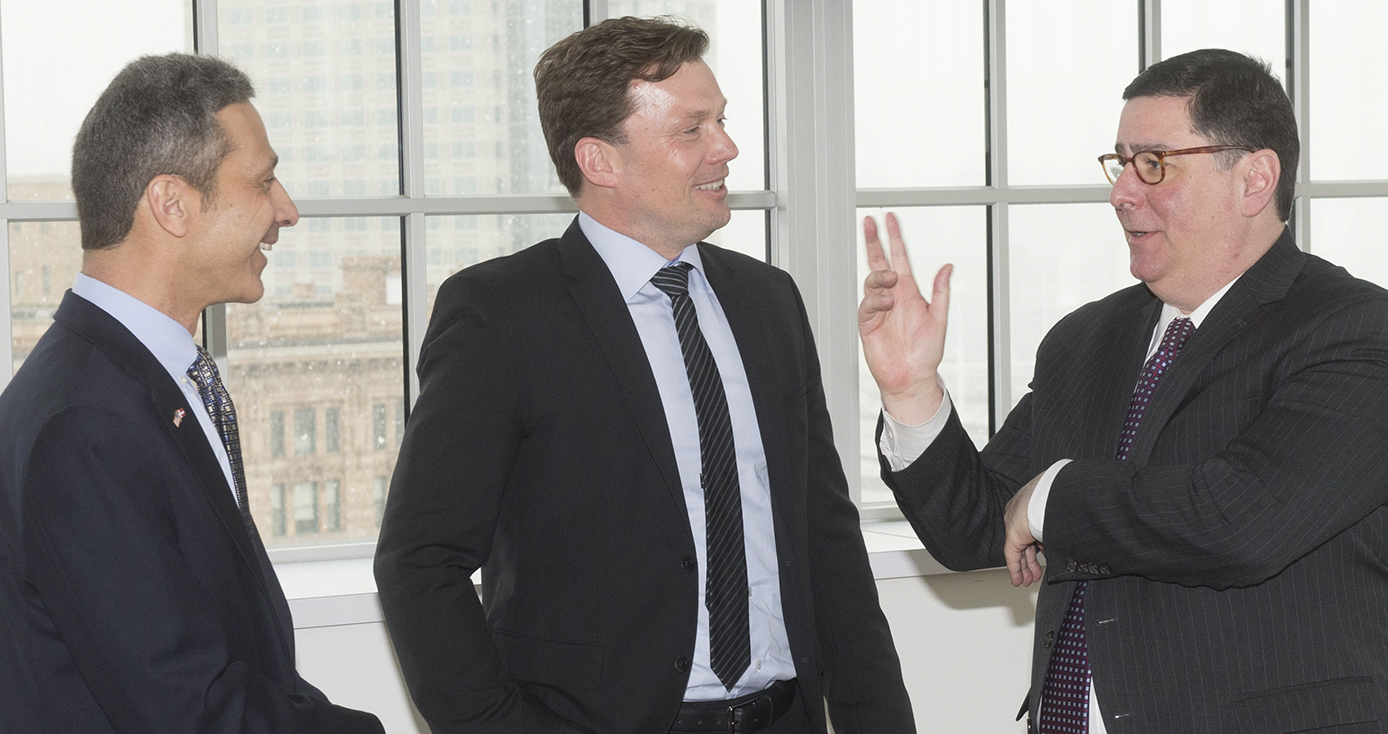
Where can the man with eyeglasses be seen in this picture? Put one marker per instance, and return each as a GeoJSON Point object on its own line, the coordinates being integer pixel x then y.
{"type": "Point", "coordinates": [1202, 454]}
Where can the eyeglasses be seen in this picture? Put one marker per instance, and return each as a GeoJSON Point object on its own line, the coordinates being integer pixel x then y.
{"type": "Point", "coordinates": [1150, 165]}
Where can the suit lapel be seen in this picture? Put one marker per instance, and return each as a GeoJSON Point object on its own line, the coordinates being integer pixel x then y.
{"type": "Point", "coordinates": [599, 300]}
{"type": "Point", "coordinates": [169, 402]}
{"type": "Point", "coordinates": [1267, 281]}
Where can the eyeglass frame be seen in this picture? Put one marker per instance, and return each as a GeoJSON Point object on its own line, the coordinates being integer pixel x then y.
{"type": "Point", "coordinates": [1161, 155]}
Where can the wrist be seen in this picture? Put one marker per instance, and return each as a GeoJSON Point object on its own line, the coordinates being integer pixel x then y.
{"type": "Point", "coordinates": [916, 404]}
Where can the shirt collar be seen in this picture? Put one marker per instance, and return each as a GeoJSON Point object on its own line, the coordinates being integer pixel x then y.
{"type": "Point", "coordinates": [632, 264]}
{"type": "Point", "coordinates": [165, 338]}
{"type": "Point", "coordinates": [1170, 313]}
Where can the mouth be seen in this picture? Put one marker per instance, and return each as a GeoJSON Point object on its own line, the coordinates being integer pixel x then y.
{"type": "Point", "coordinates": [711, 186]}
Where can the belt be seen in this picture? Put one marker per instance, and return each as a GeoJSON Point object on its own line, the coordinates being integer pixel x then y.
{"type": "Point", "coordinates": [749, 713]}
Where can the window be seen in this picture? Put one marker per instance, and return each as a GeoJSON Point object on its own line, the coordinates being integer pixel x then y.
{"type": "Point", "coordinates": [379, 486]}
{"type": "Point", "coordinates": [330, 430]}
{"type": "Point", "coordinates": [304, 433]}
{"type": "Point", "coordinates": [306, 508]}
{"type": "Point", "coordinates": [277, 516]}
{"type": "Point", "coordinates": [276, 432]}
{"type": "Point", "coordinates": [332, 508]}
{"type": "Point", "coordinates": [378, 426]}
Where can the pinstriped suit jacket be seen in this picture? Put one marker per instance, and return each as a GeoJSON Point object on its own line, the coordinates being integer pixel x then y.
{"type": "Point", "coordinates": [1238, 560]}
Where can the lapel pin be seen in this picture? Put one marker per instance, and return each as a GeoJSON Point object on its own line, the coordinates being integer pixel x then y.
{"type": "Point", "coordinates": [178, 417]}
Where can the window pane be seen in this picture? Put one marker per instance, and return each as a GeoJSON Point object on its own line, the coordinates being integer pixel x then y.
{"type": "Point", "coordinates": [935, 236]}
{"type": "Point", "coordinates": [1062, 256]}
{"type": "Point", "coordinates": [919, 94]}
{"type": "Point", "coordinates": [306, 508]}
{"type": "Point", "coordinates": [1348, 65]}
{"type": "Point", "coordinates": [44, 259]}
{"type": "Point", "coordinates": [481, 126]}
{"type": "Point", "coordinates": [1337, 234]}
{"type": "Point", "coordinates": [1067, 64]}
{"type": "Point", "coordinates": [330, 431]}
{"type": "Point", "coordinates": [328, 333]}
{"type": "Point", "coordinates": [325, 80]}
{"type": "Point", "coordinates": [277, 516]}
{"type": "Point", "coordinates": [332, 520]}
{"type": "Point", "coordinates": [1256, 27]}
{"type": "Point", "coordinates": [745, 233]}
{"type": "Point", "coordinates": [734, 29]}
{"type": "Point", "coordinates": [57, 61]}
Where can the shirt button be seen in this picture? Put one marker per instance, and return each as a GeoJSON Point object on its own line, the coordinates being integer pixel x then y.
{"type": "Point", "coordinates": [758, 665]}
{"type": "Point", "coordinates": [687, 564]}
{"type": "Point", "coordinates": [681, 663]}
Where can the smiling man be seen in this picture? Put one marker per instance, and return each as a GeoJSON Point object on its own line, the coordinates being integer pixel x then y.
{"type": "Point", "coordinates": [1202, 454]}
{"type": "Point", "coordinates": [625, 429]}
{"type": "Point", "coordinates": [135, 594]}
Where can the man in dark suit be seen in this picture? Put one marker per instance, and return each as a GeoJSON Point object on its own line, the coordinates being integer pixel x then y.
{"type": "Point", "coordinates": [1202, 454]}
{"type": "Point", "coordinates": [664, 531]}
{"type": "Point", "coordinates": [135, 595]}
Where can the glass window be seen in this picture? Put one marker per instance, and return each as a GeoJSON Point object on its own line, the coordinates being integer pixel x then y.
{"type": "Point", "coordinates": [1338, 228]}
{"type": "Point", "coordinates": [399, 424]}
{"type": "Point", "coordinates": [276, 432]}
{"type": "Point", "coordinates": [1067, 64]}
{"type": "Point", "coordinates": [1061, 256]}
{"type": "Point", "coordinates": [327, 334]}
{"type": "Point", "coordinates": [378, 426]}
{"type": "Point", "coordinates": [332, 507]}
{"type": "Point", "coordinates": [304, 434]}
{"type": "Point", "coordinates": [919, 93]}
{"type": "Point", "coordinates": [44, 260]}
{"type": "Point", "coordinates": [736, 57]}
{"type": "Point", "coordinates": [1256, 27]}
{"type": "Point", "coordinates": [305, 508]}
{"type": "Point", "coordinates": [1348, 65]}
{"type": "Point", "coordinates": [55, 68]}
{"type": "Point", "coordinates": [935, 236]}
{"type": "Point", "coordinates": [277, 515]}
{"type": "Point", "coordinates": [379, 486]}
{"type": "Point", "coordinates": [330, 430]}
{"type": "Point", "coordinates": [495, 76]}
{"type": "Point", "coordinates": [329, 118]}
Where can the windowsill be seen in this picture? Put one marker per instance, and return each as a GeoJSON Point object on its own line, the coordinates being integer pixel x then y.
{"type": "Point", "coordinates": [342, 591]}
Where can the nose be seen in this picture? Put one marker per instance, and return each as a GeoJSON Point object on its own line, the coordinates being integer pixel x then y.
{"type": "Point", "coordinates": [724, 149]}
{"type": "Point", "coordinates": [1127, 190]}
{"type": "Point", "coordinates": [286, 214]}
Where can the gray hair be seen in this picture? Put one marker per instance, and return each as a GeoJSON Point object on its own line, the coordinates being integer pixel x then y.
{"type": "Point", "coordinates": [158, 116]}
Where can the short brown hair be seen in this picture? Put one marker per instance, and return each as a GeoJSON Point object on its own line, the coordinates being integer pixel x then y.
{"type": "Point", "coordinates": [583, 83]}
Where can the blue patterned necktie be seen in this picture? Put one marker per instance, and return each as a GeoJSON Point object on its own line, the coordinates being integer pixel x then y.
{"type": "Point", "coordinates": [1065, 694]}
{"type": "Point", "coordinates": [217, 400]}
{"type": "Point", "coordinates": [730, 641]}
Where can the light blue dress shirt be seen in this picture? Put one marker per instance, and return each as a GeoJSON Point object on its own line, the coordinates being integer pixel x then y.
{"type": "Point", "coordinates": [168, 341]}
{"type": "Point", "coordinates": [632, 264]}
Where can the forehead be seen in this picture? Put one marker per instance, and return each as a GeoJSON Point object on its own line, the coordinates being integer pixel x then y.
{"type": "Point", "coordinates": [688, 93]}
{"type": "Point", "coordinates": [250, 147]}
{"type": "Point", "coordinates": [1156, 123]}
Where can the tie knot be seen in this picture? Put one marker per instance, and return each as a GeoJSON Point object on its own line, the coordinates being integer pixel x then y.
{"type": "Point", "coordinates": [203, 371]}
{"type": "Point", "coordinates": [1177, 332]}
{"type": "Point", "coordinates": [673, 279]}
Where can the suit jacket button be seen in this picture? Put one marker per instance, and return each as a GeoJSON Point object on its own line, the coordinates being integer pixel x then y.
{"type": "Point", "coordinates": [681, 663]}
{"type": "Point", "coordinates": [687, 564]}
{"type": "Point", "coordinates": [1071, 565]}
{"type": "Point", "coordinates": [1104, 571]}
{"type": "Point", "coordinates": [1050, 638]}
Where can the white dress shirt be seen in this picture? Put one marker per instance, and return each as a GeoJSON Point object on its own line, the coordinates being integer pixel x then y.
{"type": "Point", "coordinates": [632, 264]}
{"type": "Point", "coordinates": [171, 345]}
{"type": "Point", "coordinates": [902, 444]}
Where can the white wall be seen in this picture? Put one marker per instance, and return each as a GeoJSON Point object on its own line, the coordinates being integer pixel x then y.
{"type": "Point", "coordinates": [964, 640]}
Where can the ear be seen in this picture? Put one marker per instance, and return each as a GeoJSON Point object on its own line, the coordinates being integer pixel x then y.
{"type": "Point", "coordinates": [1261, 172]}
{"type": "Point", "coordinates": [171, 203]}
{"type": "Point", "coordinates": [599, 160]}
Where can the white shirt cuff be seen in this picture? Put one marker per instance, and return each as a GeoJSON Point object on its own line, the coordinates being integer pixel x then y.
{"type": "Point", "coordinates": [1036, 509]}
{"type": "Point", "coordinates": [903, 444]}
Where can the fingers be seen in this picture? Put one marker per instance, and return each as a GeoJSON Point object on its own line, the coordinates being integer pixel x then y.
{"type": "Point", "coordinates": [877, 260]}
{"type": "Point", "coordinates": [1022, 565]}
{"type": "Point", "coordinates": [939, 299]}
{"type": "Point", "coordinates": [901, 263]}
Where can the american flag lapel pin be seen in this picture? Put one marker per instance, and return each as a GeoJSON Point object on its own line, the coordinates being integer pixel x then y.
{"type": "Point", "coordinates": [178, 417]}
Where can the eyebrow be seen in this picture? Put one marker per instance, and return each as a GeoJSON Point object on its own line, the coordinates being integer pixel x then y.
{"type": "Point", "coordinates": [1142, 147]}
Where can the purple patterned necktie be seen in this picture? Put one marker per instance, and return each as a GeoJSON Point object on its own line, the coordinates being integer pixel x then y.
{"type": "Point", "coordinates": [1065, 695]}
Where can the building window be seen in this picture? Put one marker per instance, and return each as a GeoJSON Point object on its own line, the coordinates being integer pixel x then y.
{"type": "Point", "coordinates": [277, 433]}
{"type": "Point", "coordinates": [399, 424]}
{"type": "Point", "coordinates": [277, 510]}
{"type": "Point", "coordinates": [378, 426]}
{"type": "Point", "coordinates": [330, 429]}
{"type": "Point", "coordinates": [305, 508]}
{"type": "Point", "coordinates": [379, 488]}
{"type": "Point", "coordinates": [305, 437]}
{"type": "Point", "coordinates": [332, 508]}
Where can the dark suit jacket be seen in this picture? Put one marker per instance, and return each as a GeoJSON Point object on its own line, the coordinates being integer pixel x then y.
{"type": "Point", "coordinates": [539, 451]}
{"type": "Point", "coordinates": [132, 599]}
{"type": "Point", "coordinates": [1238, 560]}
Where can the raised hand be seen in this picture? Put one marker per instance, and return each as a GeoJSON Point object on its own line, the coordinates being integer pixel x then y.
{"type": "Point", "coordinates": [903, 335]}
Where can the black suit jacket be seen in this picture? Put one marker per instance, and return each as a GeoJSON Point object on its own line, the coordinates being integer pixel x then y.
{"type": "Point", "coordinates": [1238, 560]}
{"type": "Point", "coordinates": [132, 599]}
{"type": "Point", "coordinates": [539, 452]}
